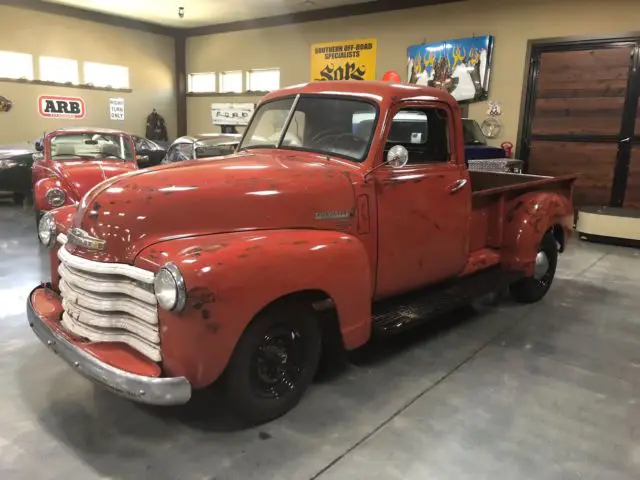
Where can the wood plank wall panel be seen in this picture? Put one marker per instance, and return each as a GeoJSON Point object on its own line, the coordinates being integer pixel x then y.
{"type": "Point", "coordinates": [581, 92]}
{"type": "Point", "coordinates": [632, 193]}
{"type": "Point", "coordinates": [594, 162]}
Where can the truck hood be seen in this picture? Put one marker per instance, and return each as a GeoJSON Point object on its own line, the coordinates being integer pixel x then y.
{"type": "Point", "coordinates": [81, 175]}
{"type": "Point", "coordinates": [246, 191]}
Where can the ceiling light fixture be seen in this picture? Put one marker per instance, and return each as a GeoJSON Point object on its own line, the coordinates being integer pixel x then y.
{"type": "Point", "coordinates": [181, 12]}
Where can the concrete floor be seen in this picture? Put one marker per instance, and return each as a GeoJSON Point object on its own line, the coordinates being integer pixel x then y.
{"type": "Point", "coordinates": [550, 391]}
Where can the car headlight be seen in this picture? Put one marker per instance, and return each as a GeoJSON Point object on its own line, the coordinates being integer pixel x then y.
{"type": "Point", "coordinates": [169, 288]}
{"type": "Point", "coordinates": [47, 230]}
{"type": "Point", "coordinates": [55, 197]}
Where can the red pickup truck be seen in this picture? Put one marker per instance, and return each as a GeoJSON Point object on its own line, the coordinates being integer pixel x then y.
{"type": "Point", "coordinates": [331, 219]}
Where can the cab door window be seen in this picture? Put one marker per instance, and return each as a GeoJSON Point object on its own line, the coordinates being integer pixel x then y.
{"type": "Point", "coordinates": [423, 132]}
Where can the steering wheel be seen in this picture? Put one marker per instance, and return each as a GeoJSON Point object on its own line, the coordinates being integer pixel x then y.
{"type": "Point", "coordinates": [327, 133]}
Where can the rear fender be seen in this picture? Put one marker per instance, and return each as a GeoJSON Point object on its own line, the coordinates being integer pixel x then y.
{"type": "Point", "coordinates": [231, 277]}
{"type": "Point", "coordinates": [529, 217]}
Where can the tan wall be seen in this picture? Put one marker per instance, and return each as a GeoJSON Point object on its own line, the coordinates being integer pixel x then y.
{"type": "Point", "coordinates": [150, 59]}
{"type": "Point", "coordinates": [512, 22]}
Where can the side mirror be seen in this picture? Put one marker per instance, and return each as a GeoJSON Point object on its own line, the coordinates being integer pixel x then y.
{"type": "Point", "coordinates": [398, 156]}
{"type": "Point", "coordinates": [37, 156]}
{"type": "Point", "coordinates": [39, 146]}
{"type": "Point", "coordinates": [143, 159]}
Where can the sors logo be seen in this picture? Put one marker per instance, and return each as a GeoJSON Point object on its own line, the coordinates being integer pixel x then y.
{"type": "Point", "coordinates": [61, 107]}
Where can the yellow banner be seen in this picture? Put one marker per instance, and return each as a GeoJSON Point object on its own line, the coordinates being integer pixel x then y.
{"type": "Point", "coordinates": [346, 60]}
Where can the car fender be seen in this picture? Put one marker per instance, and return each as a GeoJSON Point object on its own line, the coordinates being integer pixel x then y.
{"type": "Point", "coordinates": [231, 277]}
{"type": "Point", "coordinates": [528, 218]}
{"type": "Point", "coordinates": [41, 188]}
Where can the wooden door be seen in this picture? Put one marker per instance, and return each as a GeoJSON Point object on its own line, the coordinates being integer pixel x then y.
{"type": "Point", "coordinates": [577, 117]}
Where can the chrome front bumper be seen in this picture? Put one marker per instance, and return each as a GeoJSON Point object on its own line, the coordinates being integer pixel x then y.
{"type": "Point", "coordinates": [150, 390]}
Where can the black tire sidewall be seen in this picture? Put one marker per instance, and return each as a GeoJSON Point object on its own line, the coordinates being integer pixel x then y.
{"type": "Point", "coordinates": [238, 389]}
{"type": "Point", "coordinates": [529, 290]}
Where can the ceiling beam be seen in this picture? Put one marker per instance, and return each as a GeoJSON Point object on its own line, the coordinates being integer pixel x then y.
{"type": "Point", "coordinates": [91, 16]}
{"type": "Point", "coordinates": [377, 6]}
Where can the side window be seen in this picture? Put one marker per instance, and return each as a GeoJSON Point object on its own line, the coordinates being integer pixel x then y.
{"type": "Point", "coordinates": [423, 132]}
{"type": "Point", "coordinates": [185, 151]}
{"type": "Point", "coordinates": [180, 152]}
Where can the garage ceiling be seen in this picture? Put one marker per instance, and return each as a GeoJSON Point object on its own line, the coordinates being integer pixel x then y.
{"type": "Point", "coordinates": [198, 13]}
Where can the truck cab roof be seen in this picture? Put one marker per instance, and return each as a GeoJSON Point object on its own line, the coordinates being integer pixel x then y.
{"type": "Point", "coordinates": [371, 89]}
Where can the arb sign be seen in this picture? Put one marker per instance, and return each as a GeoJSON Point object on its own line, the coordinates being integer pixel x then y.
{"type": "Point", "coordinates": [61, 107]}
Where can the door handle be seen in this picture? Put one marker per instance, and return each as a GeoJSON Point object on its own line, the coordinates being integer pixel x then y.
{"type": "Point", "coordinates": [625, 140]}
{"type": "Point", "coordinates": [457, 185]}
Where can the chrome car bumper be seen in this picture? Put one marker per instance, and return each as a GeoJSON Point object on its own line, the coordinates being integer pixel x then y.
{"type": "Point", "coordinates": [150, 390]}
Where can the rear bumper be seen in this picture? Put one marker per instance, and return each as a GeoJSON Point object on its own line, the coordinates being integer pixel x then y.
{"type": "Point", "coordinates": [151, 390]}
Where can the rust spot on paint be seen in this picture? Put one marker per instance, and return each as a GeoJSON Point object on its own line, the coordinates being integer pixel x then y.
{"type": "Point", "coordinates": [300, 242]}
{"type": "Point", "coordinates": [200, 296]}
{"type": "Point", "coordinates": [249, 249]}
{"type": "Point", "coordinates": [244, 255]}
{"type": "Point", "coordinates": [215, 247]}
{"type": "Point", "coordinates": [205, 314]}
{"type": "Point", "coordinates": [213, 327]}
{"type": "Point", "coordinates": [191, 251]}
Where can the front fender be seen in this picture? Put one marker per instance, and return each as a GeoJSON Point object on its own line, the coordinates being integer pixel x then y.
{"type": "Point", "coordinates": [527, 219]}
{"type": "Point", "coordinates": [41, 188]}
{"type": "Point", "coordinates": [231, 277]}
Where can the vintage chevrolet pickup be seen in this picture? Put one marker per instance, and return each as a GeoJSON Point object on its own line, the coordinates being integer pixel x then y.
{"type": "Point", "coordinates": [330, 221]}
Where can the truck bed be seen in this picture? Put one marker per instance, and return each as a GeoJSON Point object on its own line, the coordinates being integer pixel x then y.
{"type": "Point", "coordinates": [495, 194]}
{"type": "Point", "coordinates": [487, 183]}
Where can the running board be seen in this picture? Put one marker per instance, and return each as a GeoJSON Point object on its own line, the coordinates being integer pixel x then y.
{"type": "Point", "coordinates": [405, 311]}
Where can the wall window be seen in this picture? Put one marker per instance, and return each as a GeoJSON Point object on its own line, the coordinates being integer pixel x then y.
{"type": "Point", "coordinates": [231, 82]}
{"type": "Point", "coordinates": [201, 82]}
{"type": "Point", "coordinates": [264, 80]}
{"type": "Point", "coordinates": [103, 75]}
{"type": "Point", "coordinates": [16, 65]}
{"type": "Point", "coordinates": [61, 70]}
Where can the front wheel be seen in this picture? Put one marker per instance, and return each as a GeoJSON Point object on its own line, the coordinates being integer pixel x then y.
{"type": "Point", "coordinates": [273, 363]}
{"type": "Point", "coordinates": [532, 289]}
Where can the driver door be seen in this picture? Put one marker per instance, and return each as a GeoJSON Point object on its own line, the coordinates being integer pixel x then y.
{"type": "Point", "coordinates": [423, 207]}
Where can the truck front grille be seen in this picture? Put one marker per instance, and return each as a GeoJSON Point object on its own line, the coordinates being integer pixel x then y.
{"type": "Point", "coordinates": [109, 302]}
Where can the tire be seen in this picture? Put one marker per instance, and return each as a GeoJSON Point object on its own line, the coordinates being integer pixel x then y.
{"type": "Point", "coordinates": [39, 215]}
{"type": "Point", "coordinates": [534, 288]}
{"type": "Point", "coordinates": [286, 337]}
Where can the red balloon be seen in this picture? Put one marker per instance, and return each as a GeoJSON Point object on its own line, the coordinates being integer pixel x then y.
{"type": "Point", "coordinates": [391, 76]}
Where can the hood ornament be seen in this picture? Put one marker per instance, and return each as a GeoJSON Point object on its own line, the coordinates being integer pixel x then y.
{"type": "Point", "coordinates": [80, 238]}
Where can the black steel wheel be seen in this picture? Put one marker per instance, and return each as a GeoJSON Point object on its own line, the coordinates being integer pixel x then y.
{"type": "Point", "coordinates": [534, 288]}
{"type": "Point", "coordinates": [273, 363]}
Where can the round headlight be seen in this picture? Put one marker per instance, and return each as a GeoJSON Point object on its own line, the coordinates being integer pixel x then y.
{"type": "Point", "coordinates": [55, 197]}
{"type": "Point", "coordinates": [47, 230]}
{"type": "Point", "coordinates": [169, 288]}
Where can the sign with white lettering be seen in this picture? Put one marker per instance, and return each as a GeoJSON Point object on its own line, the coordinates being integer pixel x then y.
{"type": "Point", "coordinates": [116, 108]}
{"type": "Point", "coordinates": [50, 106]}
{"type": "Point", "coordinates": [231, 113]}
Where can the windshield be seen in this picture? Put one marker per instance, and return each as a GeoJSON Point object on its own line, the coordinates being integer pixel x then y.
{"type": "Point", "coordinates": [472, 133]}
{"type": "Point", "coordinates": [90, 146]}
{"type": "Point", "coordinates": [322, 124]}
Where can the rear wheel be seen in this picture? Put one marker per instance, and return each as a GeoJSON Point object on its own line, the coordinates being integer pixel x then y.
{"type": "Point", "coordinates": [273, 363]}
{"type": "Point", "coordinates": [532, 289]}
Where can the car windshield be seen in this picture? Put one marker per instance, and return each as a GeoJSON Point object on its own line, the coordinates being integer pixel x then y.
{"type": "Point", "coordinates": [215, 148]}
{"type": "Point", "coordinates": [90, 146]}
{"type": "Point", "coordinates": [472, 133]}
{"type": "Point", "coordinates": [322, 124]}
